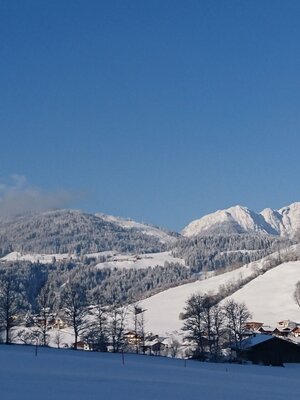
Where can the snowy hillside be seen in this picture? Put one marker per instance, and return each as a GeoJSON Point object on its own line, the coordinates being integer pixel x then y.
{"type": "Point", "coordinates": [66, 374]}
{"type": "Point", "coordinates": [269, 296]}
{"type": "Point", "coordinates": [72, 231]}
{"type": "Point", "coordinates": [161, 234]}
{"type": "Point", "coordinates": [284, 222]}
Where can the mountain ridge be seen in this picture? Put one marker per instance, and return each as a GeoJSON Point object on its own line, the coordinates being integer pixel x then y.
{"type": "Point", "coordinates": [284, 222]}
{"type": "Point", "coordinates": [78, 232]}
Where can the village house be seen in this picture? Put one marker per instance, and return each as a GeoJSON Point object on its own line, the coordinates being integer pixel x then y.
{"type": "Point", "coordinates": [267, 329]}
{"type": "Point", "coordinates": [81, 345]}
{"type": "Point", "coordinates": [286, 323]}
{"type": "Point", "coordinates": [296, 331]}
{"type": "Point", "coordinates": [253, 326]}
{"type": "Point", "coordinates": [283, 332]}
{"type": "Point", "coordinates": [132, 338]}
{"type": "Point", "coordinates": [155, 345]}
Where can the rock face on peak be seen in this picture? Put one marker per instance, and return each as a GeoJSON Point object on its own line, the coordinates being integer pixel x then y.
{"type": "Point", "coordinates": [241, 220]}
{"type": "Point", "coordinates": [285, 221]}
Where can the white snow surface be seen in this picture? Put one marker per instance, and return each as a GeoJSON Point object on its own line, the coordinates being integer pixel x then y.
{"type": "Point", "coordinates": [34, 257]}
{"type": "Point", "coordinates": [164, 237]}
{"type": "Point", "coordinates": [114, 259]}
{"type": "Point", "coordinates": [140, 261]}
{"type": "Point", "coordinates": [283, 222]}
{"type": "Point", "coordinates": [269, 297]}
{"type": "Point", "coordinates": [67, 374]}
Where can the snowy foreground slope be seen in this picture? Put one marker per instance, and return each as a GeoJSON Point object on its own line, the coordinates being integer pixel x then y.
{"type": "Point", "coordinates": [66, 374]}
{"type": "Point", "coordinates": [268, 297]}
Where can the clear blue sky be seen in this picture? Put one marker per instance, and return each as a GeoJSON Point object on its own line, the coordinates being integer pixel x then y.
{"type": "Point", "coordinates": [158, 110]}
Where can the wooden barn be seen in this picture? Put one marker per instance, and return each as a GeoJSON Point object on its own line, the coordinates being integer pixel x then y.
{"type": "Point", "coordinates": [268, 350]}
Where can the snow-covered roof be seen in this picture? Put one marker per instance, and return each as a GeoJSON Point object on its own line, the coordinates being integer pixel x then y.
{"type": "Point", "coordinates": [253, 341]}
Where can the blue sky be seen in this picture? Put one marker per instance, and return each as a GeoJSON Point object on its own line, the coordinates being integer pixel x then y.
{"type": "Point", "coordinates": [161, 111]}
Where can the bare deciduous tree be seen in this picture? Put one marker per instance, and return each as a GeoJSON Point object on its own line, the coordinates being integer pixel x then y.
{"type": "Point", "coordinates": [197, 322]}
{"type": "Point", "coordinates": [9, 304]}
{"type": "Point", "coordinates": [139, 327]}
{"type": "Point", "coordinates": [74, 301]}
{"type": "Point", "coordinates": [97, 332]}
{"type": "Point", "coordinates": [46, 301]}
{"type": "Point", "coordinates": [116, 327]}
{"type": "Point", "coordinates": [237, 314]}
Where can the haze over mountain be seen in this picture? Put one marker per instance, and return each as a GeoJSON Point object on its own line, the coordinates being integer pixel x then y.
{"type": "Point", "coordinates": [284, 222]}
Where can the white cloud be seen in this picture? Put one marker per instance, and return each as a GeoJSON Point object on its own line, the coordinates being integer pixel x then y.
{"type": "Point", "coordinates": [17, 196]}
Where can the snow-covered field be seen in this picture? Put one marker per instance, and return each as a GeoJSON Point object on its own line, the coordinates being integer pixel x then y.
{"type": "Point", "coordinates": [41, 258]}
{"type": "Point", "coordinates": [269, 296]}
{"type": "Point", "coordinates": [140, 261]}
{"type": "Point", "coordinates": [66, 374]}
{"type": "Point", "coordinates": [114, 260]}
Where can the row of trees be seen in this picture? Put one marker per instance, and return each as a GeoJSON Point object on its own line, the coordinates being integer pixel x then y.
{"type": "Point", "coordinates": [99, 324]}
{"type": "Point", "coordinates": [210, 326]}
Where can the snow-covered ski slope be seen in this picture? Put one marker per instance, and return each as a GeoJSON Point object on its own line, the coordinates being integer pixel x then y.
{"type": "Point", "coordinates": [269, 296]}
{"type": "Point", "coordinates": [66, 374]}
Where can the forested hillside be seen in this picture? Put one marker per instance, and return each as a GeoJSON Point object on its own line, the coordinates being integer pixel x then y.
{"type": "Point", "coordinates": [206, 253]}
{"type": "Point", "coordinates": [74, 232]}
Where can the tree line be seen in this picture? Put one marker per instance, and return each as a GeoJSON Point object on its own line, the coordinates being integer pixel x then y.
{"type": "Point", "coordinates": [87, 315]}
{"type": "Point", "coordinates": [211, 327]}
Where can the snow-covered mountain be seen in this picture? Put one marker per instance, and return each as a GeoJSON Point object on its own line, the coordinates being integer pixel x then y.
{"type": "Point", "coordinates": [285, 221]}
{"type": "Point", "coordinates": [239, 220]}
